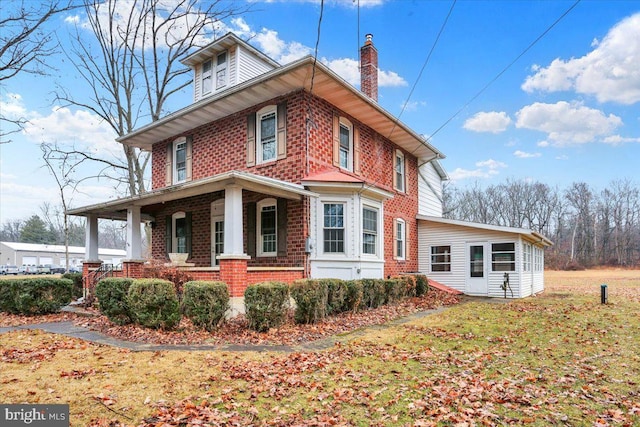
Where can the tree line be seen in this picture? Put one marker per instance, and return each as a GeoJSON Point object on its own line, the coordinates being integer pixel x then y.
{"type": "Point", "coordinates": [589, 227]}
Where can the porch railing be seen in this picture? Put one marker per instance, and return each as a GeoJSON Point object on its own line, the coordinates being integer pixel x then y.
{"type": "Point", "coordinates": [91, 279]}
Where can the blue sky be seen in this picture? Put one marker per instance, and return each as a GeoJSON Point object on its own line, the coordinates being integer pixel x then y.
{"type": "Point", "coordinates": [568, 110]}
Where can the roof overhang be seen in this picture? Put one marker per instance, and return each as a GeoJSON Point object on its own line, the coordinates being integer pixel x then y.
{"type": "Point", "coordinates": [117, 209]}
{"type": "Point", "coordinates": [339, 182]}
{"type": "Point", "coordinates": [222, 44]}
{"type": "Point", "coordinates": [529, 235]}
{"type": "Point", "coordinates": [298, 75]}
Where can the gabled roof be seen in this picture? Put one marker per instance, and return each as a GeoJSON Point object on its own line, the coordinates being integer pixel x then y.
{"type": "Point", "coordinates": [298, 75]}
{"type": "Point", "coordinates": [530, 235]}
{"type": "Point", "coordinates": [37, 247]}
{"type": "Point", "coordinates": [222, 44]}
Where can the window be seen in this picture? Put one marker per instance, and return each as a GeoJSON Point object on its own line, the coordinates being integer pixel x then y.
{"type": "Point", "coordinates": [526, 257]}
{"type": "Point", "coordinates": [345, 144]}
{"type": "Point", "coordinates": [401, 239]}
{"type": "Point", "coordinates": [180, 162]}
{"type": "Point", "coordinates": [369, 231]}
{"type": "Point", "coordinates": [440, 258]}
{"type": "Point", "coordinates": [503, 257]}
{"type": "Point", "coordinates": [179, 237]}
{"type": "Point", "coordinates": [333, 230]}
{"type": "Point", "coordinates": [399, 170]}
{"type": "Point", "coordinates": [206, 76]}
{"type": "Point", "coordinates": [267, 134]}
{"type": "Point", "coordinates": [221, 71]}
{"type": "Point", "coordinates": [267, 229]}
{"type": "Point", "coordinates": [218, 239]}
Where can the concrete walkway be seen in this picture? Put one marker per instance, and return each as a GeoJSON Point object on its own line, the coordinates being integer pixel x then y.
{"type": "Point", "coordinates": [69, 329]}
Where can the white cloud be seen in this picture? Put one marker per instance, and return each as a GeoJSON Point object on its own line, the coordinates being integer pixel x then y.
{"type": "Point", "coordinates": [567, 123]}
{"type": "Point", "coordinates": [75, 19]}
{"type": "Point", "coordinates": [610, 71]}
{"type": "Point", "coordinates": [390, 79]}
{"type": "Point", "coordinates": [12, 107]}
{"type": "Point", "coordinates": [525, 155]}
{"type": "Point", "coordinates": [543, 144]}
{"type": "Point", "coordinates": [618, 140]}
{"type": "Point", "coordinates": [562, 157]}
{"type": "Point", "coordinates": [484, 169]}
{"type": "Point", "coordinates": [492, 121]}
{"type": "Point", "coordinates": [412, 105]}
{"type": "Point", "coordinates": [81, 128]}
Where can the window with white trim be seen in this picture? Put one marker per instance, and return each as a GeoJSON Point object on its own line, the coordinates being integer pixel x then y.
{"type": "Point", "coordinates": [179, 237]}
{"type": "Point", "coordinates": [526, 257]}
{"type": "Point", "coordinates": [179, 160]}
{"type": "Point", "coordinates": [221, 70]}
{"type": "Point", "coordinates": [401, 239]}
{"type": "Point", "coordinates": [346, 144]}
{"type": "Point", "coordinates": [369, 231]}
{"type": "Point", "coordinates": [440, 258]}
{"type": "Point", "coordinates": [399, 171]}
{"type": "Point", "coordinates": [266, 134]}
{"type": "Point", "coordinates": [207, 78]}
{"type": "Point", "coordinates": [214, 68]}
{"type": "Point", "coordinates": [267, 227]}
{"type": "Point", "coordinates": [333, 227]}
{"type": "Point", "coordinates": [503, 256]}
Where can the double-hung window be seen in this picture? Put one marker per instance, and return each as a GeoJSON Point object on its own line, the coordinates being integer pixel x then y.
{"type": "Point", "coordinates": [215, 68]}
{"type": "Point", "coordinates": [207, 77]}
{"type": "Point", "coordinates": [266, 134]}
{"type": "Point", "coordinates": [399, 170]}
{"type": "Point", "coordinates": [401, 239]}
{"type": "Point", "coordinates": [267, 228]}
{"type": "Point", "coordinates": [180, 160]}
{"type": "Point", "coordinates": [221, 71]}
{"type": "Point", "coordinates": [369, 231]}
{"type": "Point", "coordinates": [333, 227]}
{"type": "Point", "coordinates": [346, 143]}
{"type": "Point", "coordinates": [179, 238]}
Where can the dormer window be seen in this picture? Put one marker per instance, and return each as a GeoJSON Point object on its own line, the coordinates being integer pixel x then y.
{"type": "Point", "coordinates": [218, 67]}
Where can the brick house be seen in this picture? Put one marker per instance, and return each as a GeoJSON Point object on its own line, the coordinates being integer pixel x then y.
{"type": "Point", "coordinates": [278, 173]}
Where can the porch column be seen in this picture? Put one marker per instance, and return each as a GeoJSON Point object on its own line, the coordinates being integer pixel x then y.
{"type": "Point", "coordinates": [233, 221]}
{"type": "Point", "coordinates": [91, 239]}
{"type": "Point", "coordinates": [134, 238]}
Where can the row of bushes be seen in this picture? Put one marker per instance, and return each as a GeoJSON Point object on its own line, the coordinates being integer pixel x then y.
{"type": "Point", "coordinates": [35, 295]}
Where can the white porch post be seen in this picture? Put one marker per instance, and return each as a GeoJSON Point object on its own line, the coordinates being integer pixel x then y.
{"type": "Point", "coordinates": [233, 221]}
{"type": "Point", "coordinates": [134, 238]}
{"type": "Point", "coordinates": [91, 239]}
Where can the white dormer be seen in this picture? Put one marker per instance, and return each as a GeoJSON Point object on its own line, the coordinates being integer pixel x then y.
{"type": "Point", "coordinates": [224, 63]}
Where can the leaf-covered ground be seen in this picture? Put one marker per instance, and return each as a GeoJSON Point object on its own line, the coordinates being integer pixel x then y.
{"type": "Point", "coordinates": [558, 359]}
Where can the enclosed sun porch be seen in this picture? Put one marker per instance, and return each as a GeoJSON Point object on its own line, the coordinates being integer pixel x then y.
{"type": "Point", "coordinates": [236, 227]}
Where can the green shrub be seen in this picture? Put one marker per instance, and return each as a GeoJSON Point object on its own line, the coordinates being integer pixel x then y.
{"type": "Point", "coordinates": [394, 290]}
{"type": "Point", "coordinates": [112, 299]}
{"type": "Point", "coordinates": [311, 300]}
{"type": "Point", "coordinates": [35, 296]}
{"type": "Point", "coordinates": [336, 295]}
{"type": "Point", "coordinates": [205, 303]}
{"type": "Point", "coordinates": [422, 285]}
{"type": "Point", "coordinates": [266, 305]}
{"type": "Point", "coordinates": [373, 293]}
{"type": "Point", "coordinates": [353, 296]}
{"type": "Point", "coordinates": [76, 278]}
{"type": "Point", "coordinates": [153, 303]}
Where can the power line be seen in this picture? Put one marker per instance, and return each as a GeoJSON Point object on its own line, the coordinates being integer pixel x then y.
{"type": "Point", "coordinates": [485, 87]}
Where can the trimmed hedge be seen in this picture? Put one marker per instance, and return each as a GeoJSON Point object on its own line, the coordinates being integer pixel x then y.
{"type": "Point", "coordinates": [311, 300]}
{"type": "Point", "coordinates": [112, 295]}
{"type": "Point", "coordinates": [153, 303]}
{"type": "Point", "coordinates": [336, 295]}
{"type": "Point", "coordinates": [394, 290]}
{"type": "Point", "coordinates": [373, 293]}
{"type": "Point", "coordinates": [422, 285]}
{"type": "Point", "coordinates": [205, 303]}
{"type": "Point", "coordinates": [266, 305]}
{"type": "Point", "coordinates": [353, 296]}
{"type": "Point", "coordinates": [35, 296]}
{"type": "Point", "coordinates": [76, 278]}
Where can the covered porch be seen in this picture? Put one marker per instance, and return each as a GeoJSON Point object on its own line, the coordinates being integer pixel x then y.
{"type": "Point", "coordinates": [236, 227]}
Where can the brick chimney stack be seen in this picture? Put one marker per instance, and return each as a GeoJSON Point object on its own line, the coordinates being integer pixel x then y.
{"type": "Point", "coordinates": [369, 68]}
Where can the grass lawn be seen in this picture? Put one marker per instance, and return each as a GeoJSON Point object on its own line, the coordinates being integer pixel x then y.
{"type": "Point", "coordinates": [559, 358]}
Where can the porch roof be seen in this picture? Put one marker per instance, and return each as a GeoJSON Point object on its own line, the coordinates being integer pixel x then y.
{"type": "Point", "coordinates": [117, 209]}
{"type": "Point", "coordinates": [338, 180]}
{"type": "Point", "coordinates": [530, 235]}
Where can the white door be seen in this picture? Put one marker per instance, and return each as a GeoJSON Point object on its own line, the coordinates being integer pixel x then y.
{"type": "Point", "coordinates": [477, 282]}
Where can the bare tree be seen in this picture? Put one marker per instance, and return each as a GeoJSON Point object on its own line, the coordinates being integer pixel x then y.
{"type": "Point", "coordinates": [25, 46]}
{"type": "Point", "coordinates": [11, 230]}
{"type": "Point", "coordinates": [131, 66]}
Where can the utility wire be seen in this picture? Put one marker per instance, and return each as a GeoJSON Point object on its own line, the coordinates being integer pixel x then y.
{"type": "Point", "coordinates": [485, 87]}
{"type": "Point", "coordinates": [315, 55]}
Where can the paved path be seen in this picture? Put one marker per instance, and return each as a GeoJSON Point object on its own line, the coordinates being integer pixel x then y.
{"type": "Point", "coordinates": [68, 328]}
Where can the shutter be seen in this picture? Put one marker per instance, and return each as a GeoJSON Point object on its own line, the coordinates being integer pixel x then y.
{"type": "Point", "coordinates": [336, 140]}
{"type": "Point", "coordinates": [251, 139]}
{"type": "Point", "coordinates": [168, 178]}
{"type": "Point", "coordinates": [395, 239]}
{"type": "Point", "coordinates": [168, 236]}
{"type": "Point", "coordinates": [281, 135]}
{"type": "Point", "coordinates": [187, 220]}
{"type": "Point", "coordinates": [356, 150]}
{"type": "Point", "coordinates": [395, 175]}
{"type": "Point", "coordinates": [282, 226]}
{"type": "Point", "coordinates": [251, 229]}
{"type": "Point", "coordinates": [406, 241]}
{"type": "Point", "coordinates": [189, 162]}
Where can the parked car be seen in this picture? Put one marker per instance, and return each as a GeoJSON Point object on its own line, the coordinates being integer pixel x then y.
{"type": "Point", "coordinates": [57, 269]}
{"type": "Point", "coordinates": [9, 269]}
{"type": "Point", "coordinates": [44, 269]}
{"type": "Point", "coordinates": [74, 270]}
{"type": "Point", "coordinates": [28, 269]}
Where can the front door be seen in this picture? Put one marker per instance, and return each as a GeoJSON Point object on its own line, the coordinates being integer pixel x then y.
{"type": "Point", "coordinates": [477, 282]}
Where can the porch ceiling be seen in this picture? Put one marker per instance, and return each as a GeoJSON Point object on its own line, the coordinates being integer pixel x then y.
{"type": "Point", "coordinates": [289, 78]}
{"type": "Point", "coordinates": [117, 209]}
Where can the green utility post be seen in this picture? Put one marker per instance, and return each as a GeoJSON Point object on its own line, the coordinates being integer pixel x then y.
{"type": "Point", "coordinates": [604, 294]}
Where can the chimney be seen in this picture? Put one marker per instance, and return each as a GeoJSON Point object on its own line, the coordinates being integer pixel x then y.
{"type": "Point", "coordinates": [369, 68]}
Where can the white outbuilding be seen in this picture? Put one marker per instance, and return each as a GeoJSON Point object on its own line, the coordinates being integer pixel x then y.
{"type": "Point", "coordinates": [480, 259]}
{"type": "Point", "coordinates": [15, 253]}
